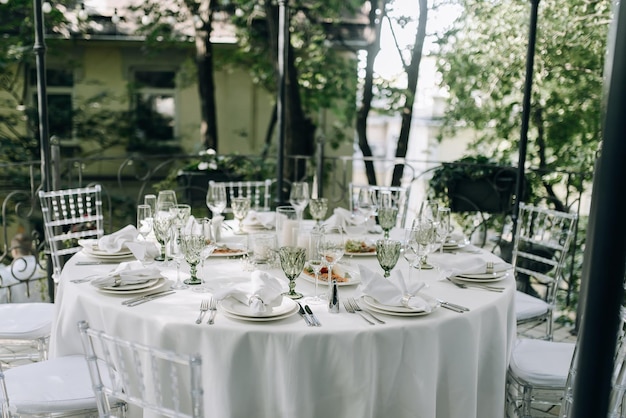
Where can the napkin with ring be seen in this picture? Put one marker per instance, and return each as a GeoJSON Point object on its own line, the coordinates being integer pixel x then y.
{"type": "Point", "coordinates": [261, 291]}
{"type": "Point", "coordinates": [128, 272]}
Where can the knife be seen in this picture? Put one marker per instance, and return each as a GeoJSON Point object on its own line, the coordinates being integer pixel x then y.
{"type": "Point", "coordinates": [453, 306]}
{"type": "Point", "coordinates": [314, 319]}
{"type": "Point", "coordinates": [304, 315]}
{"type": "Point", "coordinates": [148, 299]}
{"type": "Point", "coordinates": [138, 298]}
{"type": "Point", "coordinates": [96, 263]}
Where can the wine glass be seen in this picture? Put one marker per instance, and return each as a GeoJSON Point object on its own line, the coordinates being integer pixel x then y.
{"type": "Point", "coordinates": [315, 264]}
{"type": "Point", "coordinates": [408, 250]}
{"type": "Point", "coordinates": [180, 215]}
{"type": "Point", "coordinates": [193, 242]}
{"type": "Point", "coordinates": [150, 200]}
{"type": "Point", "coordinates": [161, 227]}
{"type": "Point", "coordinates": [443, 226]}
{"type": "Point", "coordinates": [176, 251]}
{"type": "Point", "coordinates": [241, 207]}
{"type": "Point", "coordinates": [424, 239]}
{"type": "Point", "coordinates": [299, 197]}
{"type": "Point", "coordinates": [387, 253]}
{"type": "Point", "coordinates": [216, 198]}
{"type": "Point", "coordinates": [318, 208]}
{"type": "Point", "coordinates": [165, 196]}
{"type": "Point", "coordinates": [292, 261]}
{"type": "Point", "coordinates": [387, 219]}
{"type": "Point", "coordinates": [209, 246]}
{"type": "Point", "coordinates": [331, 247]}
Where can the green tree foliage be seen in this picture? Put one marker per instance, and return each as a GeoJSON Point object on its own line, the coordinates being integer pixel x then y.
{"type": "Point", "coordinates": [483, 62]}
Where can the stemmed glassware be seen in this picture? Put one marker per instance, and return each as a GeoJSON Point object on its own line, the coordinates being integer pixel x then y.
{"type": "Point", "coordinates": [315, 263]}
{"type": "Point", "coordinates": [387, 253]}
{"type": "Point", "coordinates": [331, 247]}
{"type": "Point", "coordinates": [161, 227]}
{"type": "Point", "coordinates": [409, 253]}
{"type": "Point", "coordinates": [216, 198]}
{"type": "Point", "coordinates": [240, 207]}
{"type": "Point", "coordinates": [387, 219]}
{"type": "Point", "coordinates": [166, 196]}
{"type": "Point", "coordinates": [318, 208]}
{"type": "Point", "coordinates": [443, 226]}
{"type": "Point", "coordinates": [299, 197]}
{"type": "Point", "coordinates": [292, 261]}
{"type": "Point", "coordinates": [209, 247]}
{"type": "Point", "coordinates": [176, 251]}
{"type": "Point", "coordinates": [144, 220]}
{"type": "Point", "coordinates": [424, 238]}
{"type": "Point", "coordinates": [365, 205]}
{"type": "Point", "coordinates": [193, 242]}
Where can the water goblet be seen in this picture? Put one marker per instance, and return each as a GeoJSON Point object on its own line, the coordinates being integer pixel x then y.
{"type": "Point", "coordinates": [161, 227]}
{"type": "Point", "coordinates": [299, 197]}
{"type": "Point", "coordinates": [443, 226]}
{"type": "Point", "coordinates": [388, 252]}
{"type": "Point", "coordinates": [241, 207]}
{"type": "Point", "coordinates": [292, 261]}
{"type": "Point", "coordinates": [318, 208]}
{"type": "Point", "coordinates": [216, 198]}
{"type": "Point", "coordinates": [387, 219]}
{"type": "Point", "coordinates": [193, 242]}
{"type": "Point", "coordinates": [424, 239]}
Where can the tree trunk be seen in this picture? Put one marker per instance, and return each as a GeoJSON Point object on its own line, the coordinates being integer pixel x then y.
{"type": "Point", "coordinates": [412, 76]}
{"type": "Point", "coordinates": [206, 83]}
{"type": "Point", "coordinates": [375, 23]}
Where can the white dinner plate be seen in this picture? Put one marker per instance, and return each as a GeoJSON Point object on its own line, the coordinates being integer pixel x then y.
{"type": "Point", "coordinates": [116, 290]}
{"type": "Point", "coordinates": [235, 307]}
{"type": "Point", "coordinates": [233, 250]}
{"type": "Point", "coordinates": [399, 310]}
{"type": "Point", "coordinates": [485, 277]}
{"type": "Point", "coordinates": [131, 286]}
{"type": "Point", "coordinates": [90, 246]}
{"type": "Point", "coordinates": [366, 242]}
{"type": "Point", "coordinates": [354, 279]}
{"type": "Point", "coordinates": [261, 318]}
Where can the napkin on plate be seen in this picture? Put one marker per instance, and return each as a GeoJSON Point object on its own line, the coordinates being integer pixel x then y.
{"type": "Point", "coordinates": [392, 291]}
{"type": "Point", "coordinates": [142, 249]}
{"type": "Point", "coordinates": [113, 243]}
{"type": "Point", "coordinates": [344, 218]}
{"type": "Point", "coordinates": [128, 272]}
{"type": "Point", "coordinates": [264, 219]}
{"type": "Point", "coordinates": [468, 264]}
{"type": "Point", "coordinates": [261, 291]}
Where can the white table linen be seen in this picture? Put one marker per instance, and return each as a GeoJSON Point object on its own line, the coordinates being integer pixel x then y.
{"type": "Point", "coordinates": [443, 365]}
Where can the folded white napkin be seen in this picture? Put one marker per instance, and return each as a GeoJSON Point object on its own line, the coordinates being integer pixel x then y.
{"type": "Point", "coordinates": [256, 218]}
{"type": "Point", "coordinates": [114, 242]}
{"type": "Point", "coordinates": [261, 291]}
{"type": "Point", "coordinates": [128, 272]}
{"type": "Point", "coordinates": [142, 249]}
{"type": "Point", "coordinates": [465, 264]}
{"type": "Point", "coordinates": [392, 291]}
{"type": "Point", "coordinates": [344, 218]}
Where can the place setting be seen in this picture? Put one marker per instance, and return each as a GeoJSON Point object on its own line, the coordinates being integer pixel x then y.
{"type": "Point", "coordinates": [474, 269]}
{"type": "Point", "coordinates": [129, 278]}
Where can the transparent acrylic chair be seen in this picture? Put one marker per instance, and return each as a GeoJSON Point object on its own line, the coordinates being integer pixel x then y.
{"type": "Point", "coordinates": [542, 242]}
{"type": "Point", "coordinates": [157, 380]}
{"type": "Point", "coordinates": [259, 192]}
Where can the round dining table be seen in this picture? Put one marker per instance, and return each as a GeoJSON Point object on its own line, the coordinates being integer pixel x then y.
{"type": "Point", "coordinates": [444, 364]}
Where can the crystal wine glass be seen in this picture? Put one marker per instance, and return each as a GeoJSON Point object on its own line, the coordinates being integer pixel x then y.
{"type": "Point", "coordinates": [387, 219]}
{"type": "Point", "coordinates": [209, 246]}
{"type": "Point", "coordinates": [292, 261]}
{"type": "Point", "coordinates": [216, 198]}
{"type": "Point", "coordinates": [161, 226]}
{"type": "Point", "coordinates": [193, 242]}
{"type": "Point", "coordinates": [318, 208]}
{"type": "Point", "coordinates": [424, 239]}
{"type": "Point", "coordinates": [241, 207]}
{"type": "Point", "coordinates": [166, 196]}
{"type": "Point", "coordinates": [299, 197]}
{"type": "Point", "coordinates": [443, 226]}
{"type": "Point", "coordinates": [177, 253]}
{"type": "Point", "coordinates": [387, 253]}
{"type": "Point", "coordinates": [331, 247]}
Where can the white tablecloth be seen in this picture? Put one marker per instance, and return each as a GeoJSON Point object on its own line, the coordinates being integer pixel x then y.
{"type": "Point", "coordinates": [444, 364]}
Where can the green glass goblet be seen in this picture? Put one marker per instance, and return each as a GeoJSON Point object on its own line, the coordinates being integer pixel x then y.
{"type": "Point", "coordinates": [387, 219]}
{"type": "Point", "coordinates": [292, 261]}
{"type": "Point", "coordinates": [192, 245]}
{"type": "Point", "coordinates": [388, 252]}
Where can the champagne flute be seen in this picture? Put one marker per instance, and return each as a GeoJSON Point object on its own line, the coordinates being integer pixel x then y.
{"type": "Point", "coordinates": [443, 226]}
{"type": "Point", "coordinates": [216, 198]}
{"type": "Point", "coordinates": [318, 208]}
{"type": "Point", "coordinates": [292, 261]}
{"type": "Point", "coordinates": [331, 247]}
{"type": "Point", "coordinates": [387, 253]}
{"type": "Point", "coordinates": [241, 207]}
{"type": "Point", "coordinates": [144, 221]}
{"type": "Point", "coordinates": [315, 263]}
{"type": "Point", "coordinates": [299, 197]}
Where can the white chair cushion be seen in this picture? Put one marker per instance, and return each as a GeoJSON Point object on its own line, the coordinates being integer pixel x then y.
{"type": "Point", "coordinates": [542, 363]}
{"type": "Point", "coordinates": [527, 306]}
{"type": "Point", "coordinates": [56, 385]}
{"type": "Point", "coordinates": [25, 320]}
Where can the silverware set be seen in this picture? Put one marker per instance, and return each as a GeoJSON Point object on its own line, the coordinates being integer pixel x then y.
{"type": "Point", "coordinates": [207, 305]}
{"type": "Point", "coordinates": [353, 307]}
{"type": "Point", "coordinates": [147, 298]}
{"type": "Point", "coordinates": [309, 317]}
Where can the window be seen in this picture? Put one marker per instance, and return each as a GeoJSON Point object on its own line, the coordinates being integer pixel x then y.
{"type": "Point", "coordinates": [155, 104]}
{"type": "Point", "coordinates": [60, 84]}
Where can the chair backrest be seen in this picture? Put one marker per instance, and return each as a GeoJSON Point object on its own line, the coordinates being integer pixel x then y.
{"type": "Point", "coordinates": [259, 192]}
{"type": "Point", "coordinates": [399, 196]}
{"type": "Point", "coordinates": [70, 215]}
{"type": "Point", "coordinates": [542, 241]}
{"type": "Point", "coordinates": [158, 380]}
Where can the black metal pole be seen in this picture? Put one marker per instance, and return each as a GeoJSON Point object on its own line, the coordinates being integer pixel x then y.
{"type": "Point", "coordinates": [42, 97]}
{"type": "Point", "coordinates": [528, 84]}
{"type": "Point", "coordinates": [606, 247]}
{"type": "Point", "coordinates": [283, 49]}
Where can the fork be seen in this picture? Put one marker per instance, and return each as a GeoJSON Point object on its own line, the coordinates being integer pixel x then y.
{"type": "Point", "coordinates": [213, 309]}
{"type": "Point", "coordinates": [351, 310]}
{"type": "Point", "coordinates": [204, 306]}
{"type": "Point", "coordinates": [357, 307]}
